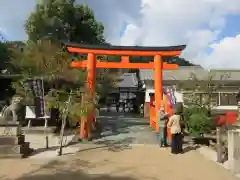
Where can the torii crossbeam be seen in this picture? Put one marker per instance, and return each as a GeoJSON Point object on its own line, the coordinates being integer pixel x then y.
{"type": "Point", "coordinates": [125, 51]}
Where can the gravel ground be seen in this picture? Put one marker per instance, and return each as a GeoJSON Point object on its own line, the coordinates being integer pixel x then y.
{"type": "Point", "coordinates": [98, 162]}
{"type": "Point", "coordinates": [128, 150]}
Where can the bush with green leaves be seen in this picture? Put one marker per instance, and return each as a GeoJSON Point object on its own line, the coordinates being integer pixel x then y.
{"type": "Point", "coordinates": [197, 120]}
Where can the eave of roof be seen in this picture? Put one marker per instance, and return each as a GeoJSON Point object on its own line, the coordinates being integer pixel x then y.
{"type": "Point", "coordinates": [132, 48]}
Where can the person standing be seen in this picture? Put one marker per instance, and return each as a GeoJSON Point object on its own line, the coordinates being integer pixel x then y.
{"type": "Point", "coordinates": [174, 124]}
{"type": "Point", "coordinates": [141, 110]}
{"type": "Point", "coordinates": [124, 105]}
{"type": "Point", "coordinates": [163, 118]}
{"type": "Point", "coordinates": [117, 106]}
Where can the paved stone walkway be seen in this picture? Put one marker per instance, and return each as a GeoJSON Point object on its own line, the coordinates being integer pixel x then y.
{"type": "Point", "coordinates": [123, 128]}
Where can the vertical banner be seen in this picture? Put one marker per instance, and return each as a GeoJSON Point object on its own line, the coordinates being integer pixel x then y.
{"type": "Point", "coordinates": [36, 86]}
{"type": "Point", "coordinates": [169, 91]}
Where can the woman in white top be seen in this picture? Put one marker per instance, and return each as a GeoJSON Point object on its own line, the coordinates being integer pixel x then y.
{"type": "Point", "coordinates": [174, 124]}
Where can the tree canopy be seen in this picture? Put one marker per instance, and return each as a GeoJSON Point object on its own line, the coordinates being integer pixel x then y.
{"type": "Point", "coordinates": [64, 20]}
{"type": "Point", "coordinates": [4, 55]}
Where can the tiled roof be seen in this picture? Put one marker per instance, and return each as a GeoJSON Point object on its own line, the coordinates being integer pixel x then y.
{"type": "Point", "coordinates": [183, 73]}
{"type": "Point", "coordinates": [228, 74]}
{"type": "Point", "coordinates": [128, 80]}
{"type": "Point", "coordinates": [186, 72]}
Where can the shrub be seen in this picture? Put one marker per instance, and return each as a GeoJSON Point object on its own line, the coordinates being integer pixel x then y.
{"type": "Point", "coordinates": [197, 120]}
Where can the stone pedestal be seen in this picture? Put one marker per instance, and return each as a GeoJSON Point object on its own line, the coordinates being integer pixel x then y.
{"type": "Point", "coordinates": [234, 150]}
{"type": "Point", "coordinates": [12, 141]}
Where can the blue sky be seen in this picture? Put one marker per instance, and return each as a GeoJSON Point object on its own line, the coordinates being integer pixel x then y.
{"type": "Point", "coordinates": [13, 16]}
{"type": "Point", "coordinates": [122, 30]}
{"type": "Point", "coordinates": [232, 27]}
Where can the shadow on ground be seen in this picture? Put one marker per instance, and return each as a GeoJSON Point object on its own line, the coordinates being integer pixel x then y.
{"type": "Point", "coordinates": [41, 150]}
{"type": "Point", "coordinates": [116, 145]}
{"type": "Point", "coordinates": [204, 140]}
{"type": "Point", "coordinates": [201, 140]}
{"type": "Point", "coordinates": [74, 170]}
{"type": "Point", "coordinates": [190, 148]}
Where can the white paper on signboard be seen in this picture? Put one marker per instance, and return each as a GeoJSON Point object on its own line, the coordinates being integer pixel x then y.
{"type": "Point", "coordinates": [30, 112]}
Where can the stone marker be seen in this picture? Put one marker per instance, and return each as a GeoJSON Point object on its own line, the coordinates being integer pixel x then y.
{"type": "Point", "coordinates": [12, 141]}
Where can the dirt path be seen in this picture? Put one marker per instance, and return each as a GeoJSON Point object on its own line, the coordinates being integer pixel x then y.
{"type": "Point", "coordinates": [103, 163]}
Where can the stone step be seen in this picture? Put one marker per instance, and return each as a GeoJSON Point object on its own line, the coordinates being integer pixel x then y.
{"type": "Point", "coordinates": [15, 149]}
{"type": "Point", "coordinates": [38, 130]}
{"type": "Point", "coordinates": [12, 140]}
{"type": "Point", "coordinates": [10, 130]}
{"type": "Point", "coordinates": [42, 130]}
{"type": "Point", "coordinates": [12, 156]}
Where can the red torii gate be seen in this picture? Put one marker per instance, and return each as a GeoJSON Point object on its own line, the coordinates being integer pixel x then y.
{"type": "Point", "coordinates": [124, 51]}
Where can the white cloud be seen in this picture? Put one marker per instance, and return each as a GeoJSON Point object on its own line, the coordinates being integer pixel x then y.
{"type": "Point", "coordinates": [131, 35]}
{"type": "Point", "coordinates": [225, 53]}
{"type": "Point", "coordinates": [114, 14]}
{"type": "Point", "coordinates": [173, 22]}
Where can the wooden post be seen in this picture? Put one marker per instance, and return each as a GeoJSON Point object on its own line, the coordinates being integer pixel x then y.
{"type": "Point", "coordinates": [238, 115]}
{"type": "Point", "coordinates": [83, 121]}
{"type": "Point", "coordinates": [152, 110]}
{"type": "Point", "coordinates": [158, 78]}
{"type": "Point", "coordinates": [91, 72]}
{"type": "Point", "coordinates": [238, 105]}
{"type": "Point", "coordinates": [219, 145]}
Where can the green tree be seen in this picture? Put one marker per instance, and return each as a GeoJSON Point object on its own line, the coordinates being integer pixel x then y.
{"type": "Point", "coordinates": [197, 120]}
{"type": "Point", "coordinates": [64, 20]}
{"type": "Point", "coordinates": [198, 116]}
{"type": "Point", "coordinates": [47, 60]}
{"type": "Point", "coordinates": [4, 55]}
